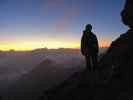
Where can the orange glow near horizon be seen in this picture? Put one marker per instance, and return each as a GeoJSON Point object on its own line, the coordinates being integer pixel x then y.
{"type": "Point", "coordinates": [24, 46]}
{"type": "Point", "coordinates": [35, 45]}
{"type": "Point", "coordinates": [104, 44]}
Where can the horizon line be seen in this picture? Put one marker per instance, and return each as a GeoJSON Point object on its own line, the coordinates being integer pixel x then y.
{"type": "Point", "coordinates": [45, 48]}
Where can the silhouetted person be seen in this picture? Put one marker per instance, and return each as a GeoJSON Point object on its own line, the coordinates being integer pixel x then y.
{"type": "Point", "coordinates": [89, 47]}
{"type": "Point", "coordinates": [119, 56]}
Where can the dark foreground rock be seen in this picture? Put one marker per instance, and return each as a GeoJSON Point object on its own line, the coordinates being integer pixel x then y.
{"type": "Point", "coordinates": [82, 85]}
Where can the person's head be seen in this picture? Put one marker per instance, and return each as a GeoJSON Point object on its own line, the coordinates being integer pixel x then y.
{"type": "Point", "coordinates": [127, 13]}
{"type": "Point", "coordinates": [88, 27]}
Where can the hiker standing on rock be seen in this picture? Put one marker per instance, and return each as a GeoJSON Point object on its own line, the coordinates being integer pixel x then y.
{"type": "Point", "coordinates": [89, 47]}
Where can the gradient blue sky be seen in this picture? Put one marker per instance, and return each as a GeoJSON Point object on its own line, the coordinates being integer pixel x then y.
{"type": "Point", "coordinates": [29, 24]}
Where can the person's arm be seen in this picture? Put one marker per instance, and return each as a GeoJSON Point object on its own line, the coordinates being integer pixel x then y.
{"type": "Point", "coordinates": [83, 45]}
{"type": "Point", "coordinates": [97, 45]}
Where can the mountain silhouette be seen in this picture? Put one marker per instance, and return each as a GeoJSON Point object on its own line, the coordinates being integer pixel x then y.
{"type": "Point", "coordinates": [31, 85]}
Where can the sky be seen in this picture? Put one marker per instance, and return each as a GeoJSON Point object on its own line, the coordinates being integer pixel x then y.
{"type": "Point", "coordinates": [31, 24]}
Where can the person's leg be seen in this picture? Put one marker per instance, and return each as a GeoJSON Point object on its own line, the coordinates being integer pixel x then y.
{"type": "Point", "coordinates": [94, 61]}
{"type": "Point", "coordinates": [88, 62]}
